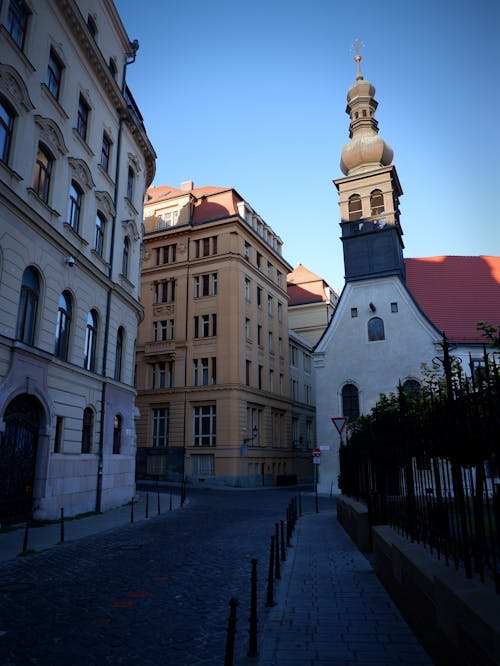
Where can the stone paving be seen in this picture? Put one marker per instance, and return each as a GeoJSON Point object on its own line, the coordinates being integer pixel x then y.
{"type": "Point", "coordinates": [157, 592]}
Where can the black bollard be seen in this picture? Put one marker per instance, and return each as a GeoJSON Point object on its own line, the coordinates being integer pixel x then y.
{"type": "Point", "coordinates": [270, 576]}
{"type": "Point", "coordinates": [26, 531]}
{"type": "Point", "coordinates": [288, 527]}
{"type": "Point", "coordinates": [170, 506]}
{"type": "Point", "coordinates": [283, 551]}
{"type": "Point", "coordinates": [132, 510]}
{"type": "Point", "coordinates": [146, 515]}
{"type": "Point", "coordinates": [62, 526]}
{"type": "Point", "coordinates": [300, 505]}
{"type": "Point", "coordinates": [277, 551]}
{"type": "Point", "coordinates": [252, 643]}
{"type": "Point", "coordinates": [158, 493]}
{"type": "Point", "coordinates": [231, 632]}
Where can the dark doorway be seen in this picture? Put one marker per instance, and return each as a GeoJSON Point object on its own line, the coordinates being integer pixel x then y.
{"type": "Point", "coordinates": [18, 447]}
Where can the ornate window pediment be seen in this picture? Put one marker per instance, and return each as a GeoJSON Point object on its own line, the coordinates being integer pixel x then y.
{"type": "Point", "coordinates": [50, 134]}
{"type": "Point", "coordinates": [81, 172]}
{"type": "Point", "coordinates": [130, 229]}
{"type": "Point", "coordinates": [105, 203]}
{"type": "Point", "coordinates": [14, 89]}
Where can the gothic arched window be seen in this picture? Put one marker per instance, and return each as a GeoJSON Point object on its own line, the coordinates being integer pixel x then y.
{"type": "Point", "coordinates": [350, 402]}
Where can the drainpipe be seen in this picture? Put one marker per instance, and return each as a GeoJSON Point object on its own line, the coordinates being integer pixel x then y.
{"type": "Point", "coordinates": [131, 59]}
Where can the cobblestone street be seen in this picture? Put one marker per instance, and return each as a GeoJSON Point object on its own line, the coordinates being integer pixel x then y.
{"type": "Point", "coordinates": [155, 592]}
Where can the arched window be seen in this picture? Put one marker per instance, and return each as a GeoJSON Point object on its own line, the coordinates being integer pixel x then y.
{"type": "Point", "coordinates": [90, 341]}
{"type": "Point", "coordinates": [376, 329]}
{"type": "Point", "coordinates": [117, 434]}
{"type": "Point", "coordinates": [130, 184]}
{"type": "Point", "coordinates": [100, 224]}
{"type": "Point", "coordinates": [376, 202]}
{"type": "Point", "coordinates": [6, 126]}
{"type": "Point", "coordinates": [87, 430]}
{"type": "Point", "coordinates": [74, 205]}
{"type": "Point", "coordinates": [411, 387]}
{"type": "Point", "coordinates": [126, 253]}
{"type": "Point", "coordinates": [119, 353]}
{"type": "Point", "coordinates": [43, 172]}
{"type": "Point", "coordinates": [355, 208]}
{"type": "Point", "coordinates": [350, 402]}
{"type": "Point", "coordinates": [28, 305]}
{"type": "Point", "coordinates": [64, 313]}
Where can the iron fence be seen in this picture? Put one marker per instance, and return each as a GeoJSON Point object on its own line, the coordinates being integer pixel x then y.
{"type": "Point", "coordinates": [429, 465]}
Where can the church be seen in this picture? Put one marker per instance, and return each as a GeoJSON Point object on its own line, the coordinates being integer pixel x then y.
{"type": "Point", "coordinates": [392, 312]}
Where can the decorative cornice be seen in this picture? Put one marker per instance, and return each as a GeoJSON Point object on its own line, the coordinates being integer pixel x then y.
{"type": "Point", "coordinates": [14, 88]}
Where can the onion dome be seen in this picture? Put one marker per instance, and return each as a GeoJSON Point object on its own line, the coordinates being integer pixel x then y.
{"type": "Point", "coordinates": [366, 150]}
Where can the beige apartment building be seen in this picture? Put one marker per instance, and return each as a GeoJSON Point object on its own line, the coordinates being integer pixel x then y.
{"type": "Point", "coordinates": [212, 352]}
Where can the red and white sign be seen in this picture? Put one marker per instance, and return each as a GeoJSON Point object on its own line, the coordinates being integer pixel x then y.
{"type": "Point", "coordinates": [340, 423]}
{"type": "Point", "coordinates": [316, 453]}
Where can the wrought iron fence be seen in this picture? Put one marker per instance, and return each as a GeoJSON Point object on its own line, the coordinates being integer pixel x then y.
{"type": "Point", "coordinates": [429, 465]}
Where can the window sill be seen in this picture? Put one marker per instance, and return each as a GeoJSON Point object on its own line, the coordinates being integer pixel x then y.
{"type": "Point", "coordinates": [9, 174]}
{"type": "Point", "coordinates": [105, 174]}
{"type": "Point", "coordinates": [82, 142]}
{"type": "Point", "coordinates": [54, 101]}
{"type": "Point", "coordinates": [125, 282]}
{"type": "Point", "coordinates": [53, 213]}
{"type": "Point", "coordinates": [16, 48]}
{"type": "Point", "coordinates": [131, 207]}
{"type": "Point", "coordinates": [75, 235]}
{"type": "Point", "coordinates": [100, 259]}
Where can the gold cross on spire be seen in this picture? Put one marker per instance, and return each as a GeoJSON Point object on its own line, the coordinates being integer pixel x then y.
{"type": "Point", "coordinates": [356, 48]}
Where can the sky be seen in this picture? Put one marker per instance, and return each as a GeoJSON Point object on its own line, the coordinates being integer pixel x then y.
{"type": "Point", "coordinates": [251, 94]}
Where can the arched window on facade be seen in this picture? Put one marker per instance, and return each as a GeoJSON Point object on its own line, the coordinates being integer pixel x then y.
{"type": "Point", "coordinates": [130, 184]}
{"type": "Point", "coordinates": [43, 173]}
{"type": "Point", "coordinates": [119, 353]}
{"type": "Point", "coordinates": [376, 329]}
{"type": "Point", "coordinates": [100, 225]}
{"type": "Point", "coordinates": [74, 205]}
{"type": "Point", "coordinates": [126, 255]}
{"type": "Point", "coordinates": [376, 202]}
{"type": "Point", "coordinates": [350, 402]}
{"type": "Point", "coordinates": [7, 116]}
{"type": "Point", "coordinates": [90, 341]}
{"type": "Point", "coordinates": [87, 430]}
{"type": "Point", "coordinates": [355, 208]}
{"type": "Point", "coordinates": [117, 434]}
{"type": "Point", "coordinates": [411, 387]}
{"type": "Point", "coordinates": [28, 306]}
{"type": "Point", "coordinates": [63, 324]}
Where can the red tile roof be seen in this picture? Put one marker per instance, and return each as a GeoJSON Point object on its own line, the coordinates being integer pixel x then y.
{"type": "Point", "coordinates": [304, 286]}
{"type": "Point", "coordinates": [456, 293]}
{"type": "Point", "coordinates": [166, 192]}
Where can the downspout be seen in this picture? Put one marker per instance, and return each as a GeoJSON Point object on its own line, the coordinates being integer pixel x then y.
{"type": "Point", "coordinates": [131, 59]}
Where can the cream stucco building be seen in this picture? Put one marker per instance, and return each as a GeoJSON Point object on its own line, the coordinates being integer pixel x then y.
{"type": "Point", "coordinates": [212, 352]}
{"type": "Point", "coordinates": [75, 162]}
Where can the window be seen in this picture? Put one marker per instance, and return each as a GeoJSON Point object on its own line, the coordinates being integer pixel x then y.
{"type": "Point", "coordinates": [411, 387]}
{"type": "Point", "coordinates": [204, 246]}
{"type": "Point", "coordinates": [105, 153]}
{"type": "Point", "coordinates": [28, 305]}
{"type": "Point", "coordinates": [64, 313]}
{"type": "Point", "coordinates": [308, 393]}
{"type": "Point", "coordinates": [354, 207]}
{"type": "Point", "coordinates": [82, 118]}
{"type": "Point", "coordinates": [119, 354]}
{"type": "Point", "coordinates": [278, 278]}
{"type": "Point", "coordinates": [270, 306]}
{"type": "Point", "coordinates": [163, 330]}
{"type": "Point", "coordinates": [202, 465]}
{"type": "Point", "coordinates": [246, 251]}
{"type": "Point", "coordinates": [87, 430]}
{"type": "Point", "coordinates": [259, 335]}
{"type": "Point", "coordinates": [247, 289]}
{"type": "Point", "coordinates": [205, 285]}
{"type": "Point", "coordinates": [130, 184]}
{"type": "Point", "coordinates": [117, 434]}
{"type": "Point", "coordinates": [259, 260]}
{"type": "Point", "coordinates": [354, 312]}
{"type": "Point", "coordinates": [394, 307]}
{"type": "Point", "coordinates": [271, 380]}
{"type": "Point", "coordinates": [350, 402]}
{"type": "Point", "coordinates": [248, 367]}
{"type": "Point", "coordinates": [376, 202]}
{"type": "Point", "coordinates": [58, 436]}
{"type": "Point", "coordinates": [6, 127]}
{"type": "Point", "coordinates": [270, 341]}
{"type": "Point", "coordinates": [269, 270]}
{"type": "Point", "coordinates": [260, 369]}
{"type": "Point", "coordinates": [205, 326]}
{"type": "Point", "coordinates": [90, 341]}
{"type": "Point", "coordinates": [307, 362]}
{"type": "Point", "coordinates": [280, 312]}
{"type": "Point", "coordinates": [164, 292]}
{"type": "Point", "coordinates": [247, 328]}
{"type": "Point", "coordinates": [125, 256]}
{"type": "Point", "coordinates": [204, 371]}
{"type": "Point", "coordinates": [100, 224]}
{"type": "Point", "coordinates": [376, 329]}
{"type": "Point", "coordinates": [259, 297]}
{"type": "Point", "coordinates": [17, 21]}
{"type": "Point", "coordinates": [54, 74]}
{"type": "Point", "coordinates": [293, 355]}
{"type": "Point", "coordinates": [43, 172]}
{"type": "Point", "coordinates": [92, 26]}
{"type": "Point", "coordinates": [205, 426]}
{"type": "Point", "coordinates": [159, 430]}
{"type": "Point", "coordinates": [169, 254]}
{"type": "Point", "coordinates": [74, 206]}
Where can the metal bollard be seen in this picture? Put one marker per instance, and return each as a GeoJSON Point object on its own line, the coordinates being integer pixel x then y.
{"type": "Point", "coordinates": [158, 493]}
{"type": "Point", "coordinates": [300, 505]}
{"type": "Point", "coordinates": [62, 526]}
{"type": "Point", "coordinates": [26, 531]}
{"type": "Point", "coordinates": [146, 515]}
{"type": "Point", "coordinates": [170, 506]}
{"type": "Point", "coordinates": [252, 643]}
{"type": "Point", "coordinates": [231, 632]}
{"type": "Point", "coordinates": [277, 551]}
{"type": "Point", "coordinates": [288, 527]}
{"type": "Point", "coordinates": [132, 510]}
{"type": "Point", "coordinates": [283, 551]}
{"type": "Point", "coordinates": [270, 576]}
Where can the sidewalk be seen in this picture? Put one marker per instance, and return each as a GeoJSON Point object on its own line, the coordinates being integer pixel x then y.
{"type": "Point", "coordinates": [331, 608]}
{"type": "Point", "coordinates": [47, 536]}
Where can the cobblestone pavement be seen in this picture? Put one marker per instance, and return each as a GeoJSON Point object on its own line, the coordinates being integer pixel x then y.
{"type": "Point", "coordinates": [155, 592]}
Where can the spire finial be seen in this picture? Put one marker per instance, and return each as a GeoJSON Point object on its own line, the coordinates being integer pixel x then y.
{"type": "Point", "coordinates": [356, 48]}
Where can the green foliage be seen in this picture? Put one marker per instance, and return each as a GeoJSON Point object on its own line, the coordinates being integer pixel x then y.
{"type": "Point", "coordinates": [490, 332]}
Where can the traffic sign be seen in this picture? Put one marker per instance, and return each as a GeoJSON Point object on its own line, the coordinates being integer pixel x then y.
{"type": "Point", "coordinates": [340, 423]}
{"type": "Point", "coordinates": [316, 453]}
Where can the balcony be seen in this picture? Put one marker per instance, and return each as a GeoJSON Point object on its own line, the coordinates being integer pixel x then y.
{"type": "Point", "coordinates": [164, 347]}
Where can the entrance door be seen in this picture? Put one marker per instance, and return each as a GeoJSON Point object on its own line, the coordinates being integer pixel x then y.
{"type": "Point", "coordinates": [18, 445]}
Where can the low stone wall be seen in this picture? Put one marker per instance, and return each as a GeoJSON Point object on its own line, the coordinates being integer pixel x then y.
{"type": "Point", "coordinates": [353, 516]}
{"type": "Point", "coordinates": [456, 619]}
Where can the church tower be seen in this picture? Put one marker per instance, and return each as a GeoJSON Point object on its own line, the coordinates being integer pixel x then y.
{"type": "Point", "coordinates": [369, 192]}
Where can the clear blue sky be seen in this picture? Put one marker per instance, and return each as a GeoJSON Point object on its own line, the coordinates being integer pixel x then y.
{"type": "Point", "coordinates": [251, 94]}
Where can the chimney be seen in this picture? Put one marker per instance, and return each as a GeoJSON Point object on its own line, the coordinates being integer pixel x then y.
{"type": "Point", "coordinates": [187, 186]}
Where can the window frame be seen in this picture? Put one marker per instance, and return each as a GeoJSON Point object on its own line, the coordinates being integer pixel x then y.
{"type": "Point", "coordinates": [43, 173]}
{"type": "Point", "coordinates": [29, 298]}
{"type": "Point", "coordinates": [18, 19]}
{"type": "Point", "coordinates": [106, 145]}
{"type": "Point", "coordinates": [82, 117]}
{"type": "Point", "coordinates": [205, 426]}
{"type": "Point", "coordinates": [63, 325]}
{"type": "Point", "coordinates": [75, 205]}
{"type": "Point", "coordinates": [89, 353]}
{"type": "Point", "coordinates": [55, 68]}
{"type": "Point", "coordinates": [7, 118]}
